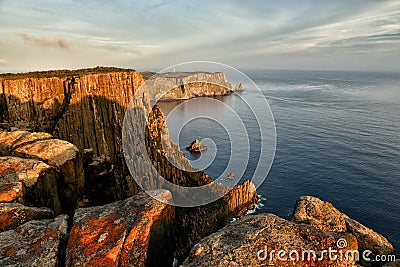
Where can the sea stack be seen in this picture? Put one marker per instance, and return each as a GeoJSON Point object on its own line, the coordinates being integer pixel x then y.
{"type": "Point", "coordinates": [196, 146]}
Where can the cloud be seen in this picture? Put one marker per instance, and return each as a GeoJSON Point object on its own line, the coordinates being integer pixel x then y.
{"type": "Point", "coordinates": [119, 49]}
{"type": "Point", "coordinates": [3, 62]}
{"type": "Point", "coordinates": [47, 42]}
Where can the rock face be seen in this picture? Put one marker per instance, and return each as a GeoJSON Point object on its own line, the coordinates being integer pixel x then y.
{"type": "Point", "coordinates": [368, 239]}
{"type": "Point", "coordinates": [124, 233]}
{"type": "Point", "coordinates": [36, 243]}
{"type": "Point", "coordinates": [38, 179]}
{"type": "Point", "coordinates": [320, 214]}
{"type": "Point", "coordinates": [62, 155]}
{"type": "Point", "coordinates": [185, 85]}
{"type": "Point", "coordinates": [316, 225]}
{"type": "Point", "coordinates": [86, 110]}
{"type": "Point", "coordinates": [256, 240]}
{"type": "Point", "coordinates": [15, 214]}
{"type": "Point", "coordinates": [323, 215]}
{"type": "Point", "coordinates": [196, 146]}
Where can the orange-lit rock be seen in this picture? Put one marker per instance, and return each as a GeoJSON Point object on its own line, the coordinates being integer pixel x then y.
{"type": "Point", "coordinates": [323, 215]}
{"type": "Point", "coordinates": [62, 155]}
{"type": "Point", "coordinates": [11, 192]}
{"type": "Point", "coordinates": [120, 233]}
{"type": "Point", "coordinates": [39, 181]}
{"type": "Point", "coordinates": [15, 214]}
{"type": "Point", "coordinates": [245, 241]}
{"type": "Point", "coordinates": [320, 214]}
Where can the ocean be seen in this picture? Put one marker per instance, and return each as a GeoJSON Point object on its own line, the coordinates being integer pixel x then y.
{"type": "Point", "coordinates": [337, 138]}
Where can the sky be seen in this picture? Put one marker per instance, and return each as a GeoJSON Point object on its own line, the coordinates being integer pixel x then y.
{"type": "Point", "coordinates": [151, 35]}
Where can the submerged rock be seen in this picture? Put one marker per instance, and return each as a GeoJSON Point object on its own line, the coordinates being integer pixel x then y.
{"type": "Point", "coordinates": [122, 233]}
{"type": "Point", "coordinates": [196, 146]}
{"type": "Point", "coordinates": [36, 243]}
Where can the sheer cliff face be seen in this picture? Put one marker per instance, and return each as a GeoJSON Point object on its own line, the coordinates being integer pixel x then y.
{"type": "Point", "coordinates": [185, 85]}
{"type": "Point", "coordinates": [87, 111]}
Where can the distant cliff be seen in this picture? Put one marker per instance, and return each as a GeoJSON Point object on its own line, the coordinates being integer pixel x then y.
{"type": "Point", "coordinates": [185, 85]}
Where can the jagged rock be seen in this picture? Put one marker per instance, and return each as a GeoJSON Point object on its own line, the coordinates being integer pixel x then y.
{"type": "Point", "coordinates": [101, 180]}
{"type": "Point", "coordinates": [122, 233]}
{"type": "Point", "coordinates": [323, 215]}
{"type": "Point", "coordinates": [15, 214]}
{"type": "Point", "coordinates": [368, 239]}
{"type": "Point", "coordinates": [64, 156]}
{"type": "Point", "coordinates": [39, 181]}
{"type": "Point", "coordinates": [196, 146]}
{"type": "Point", "coordinates": [244, 242]}
{"type": "Point", "coordinates": [320, 214]}
{"type": "Point", "coordinates": [238, 87]}
{"type": "Point", "coordinates": [241, 198]}
{"type": "Point", "coordinates": [230, 176]}
{"type": "Point", "coordinates": [10, 191]}
{"type": "Point", "coordinates": [35, 243]}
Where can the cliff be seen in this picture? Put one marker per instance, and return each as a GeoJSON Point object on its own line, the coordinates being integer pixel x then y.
{"type": "Point", "coordinates": [87, 109]}
{"type": "Point", "coordinates": [184, 85]}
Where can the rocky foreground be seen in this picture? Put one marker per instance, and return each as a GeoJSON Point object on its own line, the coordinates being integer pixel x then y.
{"type": "Point", "coordinates": [255, 240]}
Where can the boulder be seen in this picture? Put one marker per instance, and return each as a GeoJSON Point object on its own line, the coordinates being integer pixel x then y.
{"type": "Point", "coordinates": [62, 155]}
{"type": "Point", "coordinates": [39, 182]}
{"type": "Point", "coordinates": [368, 239]}
{"type": "Point", "coordinates": [65, 157]}
{"type": "Point", "coordinates": [122, 233]}
{"type": "Point", "coordinates": [35, 243]}
{"type": "Point", "coordinates": [15, 214]}
{"type": "Point", "coordinates": [196, 146]}
{"type": "Point", "coordinates": [323, 215]}
{"type": "Point", "coordinates": [320, 214]}
{"type": "Point", "coordinates": [251, 240]}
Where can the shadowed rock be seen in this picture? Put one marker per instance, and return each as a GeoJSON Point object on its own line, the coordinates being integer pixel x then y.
{"type": "Point", "coordinates": [36, 243]}
{"type": "Point", "coordinates": [368, 239]}
{"type": "Point", "coordinates": [15, 214]}
{"type": "Point", "coordinates": [38, 179]}
{"type": "Point", "coordinates": [62, 155]}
